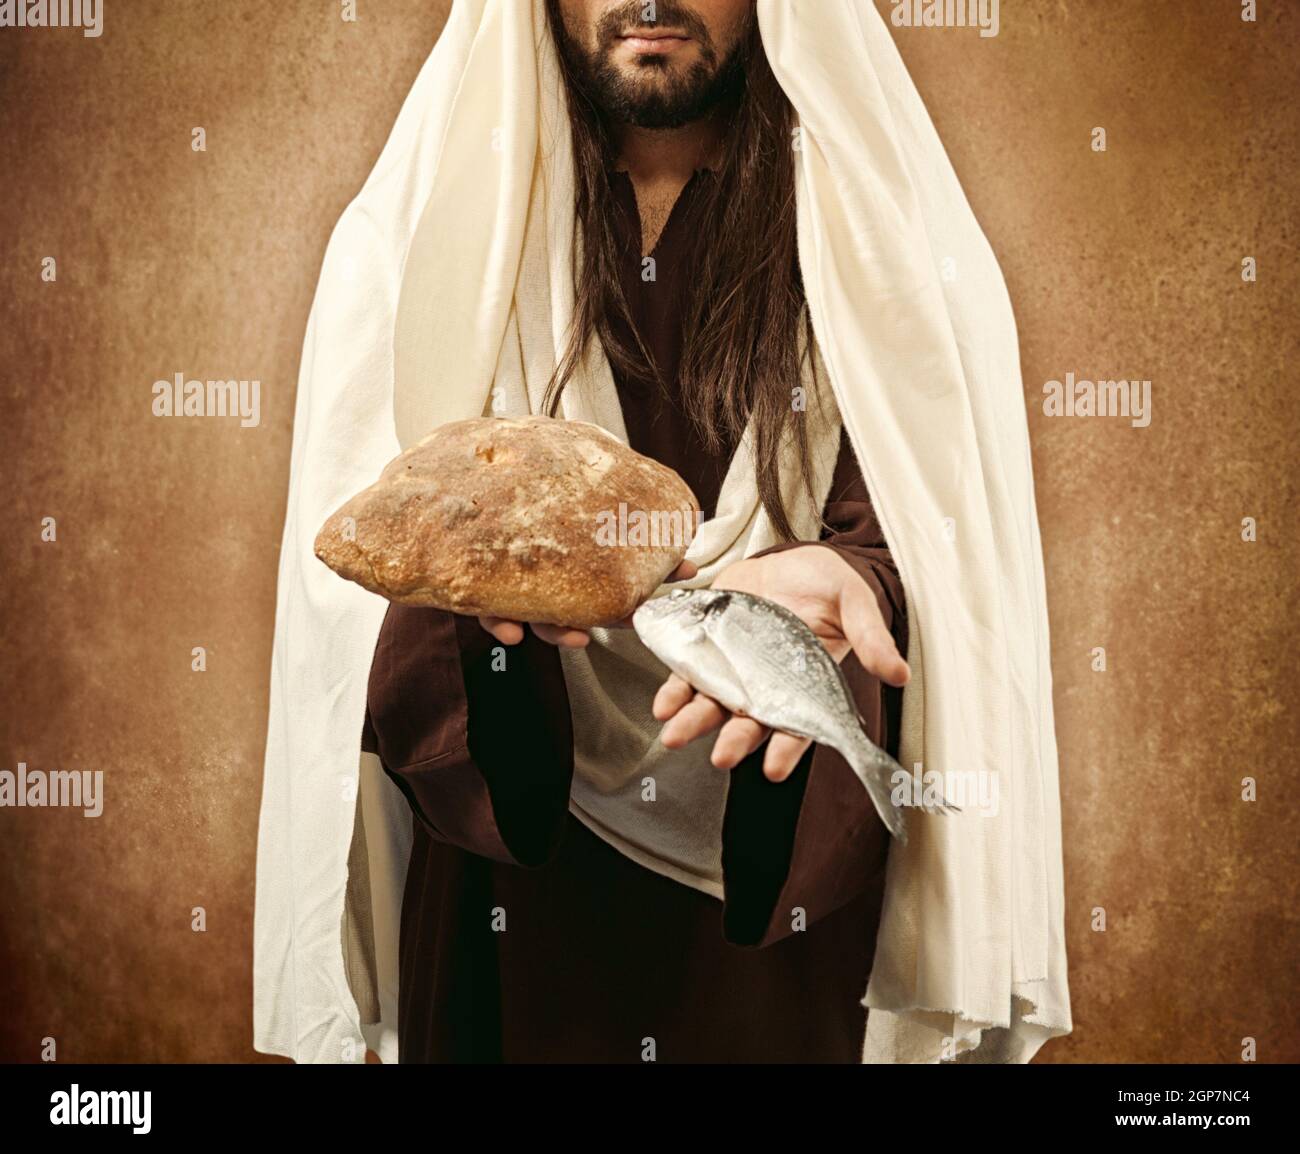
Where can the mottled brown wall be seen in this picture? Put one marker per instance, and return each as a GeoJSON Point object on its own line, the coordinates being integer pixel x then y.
{"type": "Point", "coordinates": [1123, 264]}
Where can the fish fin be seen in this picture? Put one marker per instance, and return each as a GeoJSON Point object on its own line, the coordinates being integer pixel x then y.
{"type": "Point", "coordinates": [944, 806]}
{"type": "Point", "coordinates": [875, 769]}
{"type": "Point", "coordinates": [737, 698]}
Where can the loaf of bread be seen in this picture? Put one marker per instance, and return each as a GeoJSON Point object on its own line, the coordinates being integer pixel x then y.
{"type": "Point", "coordinates": [530, 520]}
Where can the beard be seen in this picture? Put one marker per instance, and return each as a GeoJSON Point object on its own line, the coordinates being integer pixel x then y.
{"type": "Point", "coordinates": [653, 92]}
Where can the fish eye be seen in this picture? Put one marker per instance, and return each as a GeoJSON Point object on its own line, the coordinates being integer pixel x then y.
{"type": "Point", "coordinates": [719, 603]}
{"type": "Point", "coordinates": [679, 594]}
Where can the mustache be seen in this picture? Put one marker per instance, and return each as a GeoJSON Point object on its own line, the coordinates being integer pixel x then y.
{"type": "Point", "coordinates": [667, 14]}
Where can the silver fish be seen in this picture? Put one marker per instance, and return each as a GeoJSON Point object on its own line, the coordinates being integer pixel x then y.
{"type": "Point", "coordinates": [755, 657]}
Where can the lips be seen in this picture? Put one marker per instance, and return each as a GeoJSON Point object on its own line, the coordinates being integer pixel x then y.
{"type": "Point", "coordinates": [654, 40]}
{"type": "Point", "coordinates": [655, 34]}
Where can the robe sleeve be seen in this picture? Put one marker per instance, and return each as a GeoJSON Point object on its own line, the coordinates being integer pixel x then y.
{"type": "Point", "coordinates": [476, 735]}
{"type": "Point", "coordinates": [797, 850]}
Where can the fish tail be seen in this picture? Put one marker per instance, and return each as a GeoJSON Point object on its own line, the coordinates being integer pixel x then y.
{"type": "Point", "coordinates": [876, 769]}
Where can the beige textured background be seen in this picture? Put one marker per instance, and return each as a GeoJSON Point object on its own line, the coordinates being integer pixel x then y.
{"type": "Point", "coordinates": [1122, 264]}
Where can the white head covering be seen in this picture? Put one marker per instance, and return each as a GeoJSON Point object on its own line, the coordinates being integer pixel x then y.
{"type": "Point", "coordinates": [446, 293]}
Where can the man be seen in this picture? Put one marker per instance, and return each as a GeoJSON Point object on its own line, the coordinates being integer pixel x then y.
{"type": "Point", "coordinates": [661, 95]}
{"type": "Point", "coordinates": [575, 883]}
{"type": "Point", "coordinates": [600, 959]}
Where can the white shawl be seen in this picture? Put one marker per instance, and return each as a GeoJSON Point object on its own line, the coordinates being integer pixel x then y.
{"type": "Point", "coordinates": [444, 294]}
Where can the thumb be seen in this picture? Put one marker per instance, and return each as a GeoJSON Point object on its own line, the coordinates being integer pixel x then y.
{"type": "Point", "coordinates": [684, 572]}
{"type": "Point", "coordinates": [872, 643]}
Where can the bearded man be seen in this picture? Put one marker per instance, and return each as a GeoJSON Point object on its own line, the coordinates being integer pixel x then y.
{"type": "Point", "coordinates": [535, 870]}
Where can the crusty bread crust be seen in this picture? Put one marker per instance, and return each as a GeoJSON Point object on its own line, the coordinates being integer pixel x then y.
{"type": "Point", "coordinates": [512, 519]}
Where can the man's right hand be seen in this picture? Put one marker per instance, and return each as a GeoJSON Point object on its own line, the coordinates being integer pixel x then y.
{"type": "Point", "coordinates": [512, 632]}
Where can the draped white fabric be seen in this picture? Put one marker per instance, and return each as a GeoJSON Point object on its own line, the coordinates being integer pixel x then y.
{"type": "Point", "coordinates": [446, 292]}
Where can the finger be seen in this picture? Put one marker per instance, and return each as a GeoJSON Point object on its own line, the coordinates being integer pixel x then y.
{"type": "Point", "coordinates": [507, 632]}
{"type": "Point", "coordinates": [737, 739]}
{"type": "Point", "coordinates": [782, 755]}
{"type": "Point", "coordinates": [674, 694]}
{"type": "Point", "coordinates": [865, 629]}
{"type": "Point", "coordinates": [700, 716]}
{"type": "Point", "coordinates": [561, 635]}
{"type": "Point", "coordinates": [684, 572]}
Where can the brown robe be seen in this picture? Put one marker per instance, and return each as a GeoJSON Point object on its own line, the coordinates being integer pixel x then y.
{"type": "Point", "coordinates": [598, 953]}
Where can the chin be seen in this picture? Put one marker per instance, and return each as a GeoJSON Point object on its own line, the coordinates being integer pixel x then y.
{"type": "Point", "coordinates": [679, 61]}
{"type": "Point", "coordinates": [647, 87]}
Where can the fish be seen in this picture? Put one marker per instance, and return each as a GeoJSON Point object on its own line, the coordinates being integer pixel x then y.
{"type": "Point", "coordinates": [757, 658]}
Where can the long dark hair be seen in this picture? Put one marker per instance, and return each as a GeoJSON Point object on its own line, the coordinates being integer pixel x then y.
{"type": "Point", "coordinates": [741, 350]}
